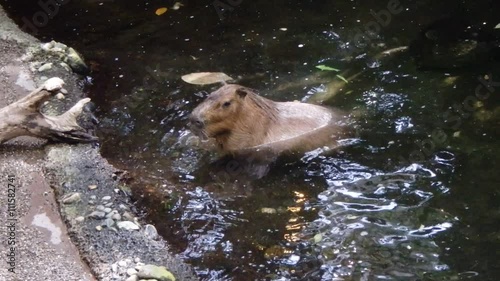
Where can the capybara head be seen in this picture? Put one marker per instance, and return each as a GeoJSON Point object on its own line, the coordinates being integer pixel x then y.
{"type": "Point", "coordinates": [219, 112]}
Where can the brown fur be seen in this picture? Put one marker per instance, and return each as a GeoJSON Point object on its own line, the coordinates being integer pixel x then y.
{"type": "Point", "coordinates": [239, 119]}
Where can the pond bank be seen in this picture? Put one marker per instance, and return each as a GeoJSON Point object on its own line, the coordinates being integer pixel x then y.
{"type": "Point", "coordinates": [41, 175]}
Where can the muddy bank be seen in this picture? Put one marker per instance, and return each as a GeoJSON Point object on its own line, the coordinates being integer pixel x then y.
{"type": "Point", "coordinates": [94, 235]}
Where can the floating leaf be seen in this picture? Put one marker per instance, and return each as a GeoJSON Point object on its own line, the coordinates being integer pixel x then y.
{"type": "Point", "coordinates": [161, 11]}
{"type": "Point", "coordinates": [326, 68]}
{"type": "Point", "coordinates": [342, 78]}
{"type": "Point", "coordinates": [177, 6]}
{"type": "Point", "coordinates": [205, 78]}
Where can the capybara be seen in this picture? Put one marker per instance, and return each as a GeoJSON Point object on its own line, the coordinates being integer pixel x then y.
{"type": "Point", "coordinates": [239, 120]}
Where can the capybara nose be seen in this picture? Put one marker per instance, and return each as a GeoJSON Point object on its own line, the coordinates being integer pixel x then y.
{"type": "Point", "coordinates": [195, 121]}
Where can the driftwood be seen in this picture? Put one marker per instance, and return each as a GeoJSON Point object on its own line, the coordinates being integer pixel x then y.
{"type": "Point", "coordinates": [23, 117]}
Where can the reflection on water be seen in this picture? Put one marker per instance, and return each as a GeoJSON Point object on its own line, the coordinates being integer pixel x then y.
{"type": "Point", "coordinates": [395, 203]}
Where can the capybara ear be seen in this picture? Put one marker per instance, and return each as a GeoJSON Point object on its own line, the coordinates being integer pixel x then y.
{"type": "Point", "coordinates": [241, 92]}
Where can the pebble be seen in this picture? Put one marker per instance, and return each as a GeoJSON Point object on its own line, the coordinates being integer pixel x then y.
{"type": "Point", "coordinates": [93, 197]}
{"type": "Point", "coordinates": [79, 219]}
{"type": "Point", "coordinates": [72, 198]}
{"type": "Point", "coordinates": [100, 208]}
{"type": "Point", "coordinates": [97, 215]}
{"type": "Point", "coordinates": [60, 96]}
{"type": "Point", "coordinates": [132, 278]}
{"type": "Point", "coordinates": [122, 263]}
{"type": "Point", "coordinates": [108, 204]}
{"type": "Point", "coordinates": [150, 231]}
{"type": "Point", "coordinates": [45, 67]}
{"type": "Point", "coordinates": [137, 260]}
{"type": "Point", "coordinates": [98, 228]}
{"type": "Point", "coordinates": [123, 207]}
{"type": "Point", "coordinates": [131, 271]}
{"type": "Point", "coordinates": [91, 202]}
{"type": "Point", "coordinates": [109, 222]}
{"type": "Point", "coordinates": [150, 271]}
{"type": "Point", "coordinates": [116, 217]}
{"type": "Point", "coordinates": [114, 267]}
{"type": "Point", "coordinates": [128, 225]}
{"type": "Point", "coordinates": [106, 198]}
{"type": "Point", "coordinates": [107, 210]}
{"type": "Point", "coordinates": [128, 216]}
{"type": "Point", "coordinates": [92, 186]}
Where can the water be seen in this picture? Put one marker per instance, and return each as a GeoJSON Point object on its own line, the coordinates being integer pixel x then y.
{"type": "Point", "coordinates": [411, 196]}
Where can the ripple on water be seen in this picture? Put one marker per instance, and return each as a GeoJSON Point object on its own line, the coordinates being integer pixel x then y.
{"type": "Point", "coordinates": [377, 225]}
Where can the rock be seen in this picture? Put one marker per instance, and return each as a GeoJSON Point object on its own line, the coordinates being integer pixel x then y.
{"type": "Point", "coordinates": [137, 260]}
{"type": "Point", "coordinates": [122, 263]}
{"type": "Point", "coordinates": [45, 67]}
{"type": "Point", "coordinates": [108, 204]}
{"type": "Point", "coordinates": [150, 231]}
{"type": "Point", "coordinates": [128, 225]}
{"type": "Point", "coordinates": [100, 208]}
{"type": "Point", "coordinates": [131, 271]}
{"type": "Point", "coordinates": [97, 215]}
{"type": "Point", "coordinates": [128, 216]}
{"type": "Point", "coordinates": [91, 202]}
{"type": "Point", "coordinates": [98, 228]}
{"type": "Point", "coordinates": [60, 96]}
{"type": "Point", "coordinates": [160, 273]}
{"type": "Point", "coordinates": [93, 197]}
{"type": "Point", "coordinates": [75, 61]}
{"type": "Point", "coordinates": [92, 186]}
{"type": "Point", "coordinates": [114, 267]}
{"type": "Point", "coordinates": [107, 210]}
{"type": "Point", "coordinates": [116, 217]}
{"type": "Point", "coordinates": [109, 222]}
{"type": "Point", "coordinates": [65, 66]}
{"type": "Point", "coordinates": [48, 46]}
{"type": "Point", "coordinates": [132, 278]}
{"type": "Point", "coordinates": [79, 219]}
{"type": "Point", "coordinates": [53, 84]}
{"type": "Point", "coordinates": [106, 198]}
{"type": "Point", "coordinates": [72, 198]}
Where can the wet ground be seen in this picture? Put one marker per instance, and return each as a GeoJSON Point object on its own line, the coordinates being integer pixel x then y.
{"type": "Point", "coordinates": [412, 195]}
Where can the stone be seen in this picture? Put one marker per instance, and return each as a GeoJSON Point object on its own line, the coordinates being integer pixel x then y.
{"type": "Point", "coordinates": [97, 215]}
{"type": "Point", "coordinates": [75, 61]}
{"type": "Point", "coordinates": [60, 96]}
{"type": "Point", "coordinates": [128, 225]}
{"type": "Point", "coordinates": [100, 208]}
{"type": "Point", "coordinates": [45, 67]}
{"type": "Point", "coordinates": [107, 210]}
{"type": "Point", "coordinates": [116, 217]}
{"type": "Point", "coordinates": [132, 278]}
{"type": "Point", "coordinates": [79, 219]}
{"type": "Point", "coordinates": [109, 222]}
{"type": "Point", "coordinates": [160, 273]}
{"type": "Point", "coordinates": [106, 198]}
{"type": "Point", "coordinates": [122, 263]}
{"type": "Point", "coordinates": [150, 231]}
{"type": "Point", "coordinates": [128, 216]}
{"type": "Point", "coordinates": [98, 228]}
{"type": "Point", "coordinates": [131, 271]}
{"type": "Point", "coordinates": [93, 197]}
{"type": "Point", "coordinates": [72, 198]}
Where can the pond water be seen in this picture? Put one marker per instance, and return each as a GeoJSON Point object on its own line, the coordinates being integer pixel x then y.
{"type": "Point", "coordinates": [412, 195]}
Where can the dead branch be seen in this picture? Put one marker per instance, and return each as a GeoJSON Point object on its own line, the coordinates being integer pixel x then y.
{"type": "Point", "coordinates": [23, 117]}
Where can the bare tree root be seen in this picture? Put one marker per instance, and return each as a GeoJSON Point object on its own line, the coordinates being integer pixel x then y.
{"type": "Point", "coordinates": [23, 117]}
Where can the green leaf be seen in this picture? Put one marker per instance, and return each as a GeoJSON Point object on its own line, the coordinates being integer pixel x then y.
{"type": "Point", "coordinates": [342, 78]}
{"type": "Point", "coordinates": [327, 68]}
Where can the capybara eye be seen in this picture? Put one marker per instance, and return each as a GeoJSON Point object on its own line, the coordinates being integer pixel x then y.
{"type": "Point", "coordinates": [226, 104]}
